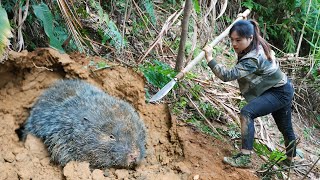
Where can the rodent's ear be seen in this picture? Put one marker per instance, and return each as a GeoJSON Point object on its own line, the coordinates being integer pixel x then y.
{"type": "Point", "coordinates": [108, 127]}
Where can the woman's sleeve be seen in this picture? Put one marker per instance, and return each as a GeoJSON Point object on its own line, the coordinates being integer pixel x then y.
{"type": "Point", "coordinates": [241, 69]}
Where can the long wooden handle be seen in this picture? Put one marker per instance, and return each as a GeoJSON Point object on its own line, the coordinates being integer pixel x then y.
{"type": "Point", "coordinates": [213, 43]}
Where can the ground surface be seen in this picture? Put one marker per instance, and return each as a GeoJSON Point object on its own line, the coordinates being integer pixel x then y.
{"type": "Point", "coordinates": [174, 150]}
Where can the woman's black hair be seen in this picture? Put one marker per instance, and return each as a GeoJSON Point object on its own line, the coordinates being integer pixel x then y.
{"type": "Point", "coordinates": [246, 28]}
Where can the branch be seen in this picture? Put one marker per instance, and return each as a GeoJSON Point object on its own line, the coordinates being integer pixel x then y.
{"type": "Point", "coordinates": [311, 168]}
{"type": "Point", "coordinates": [231, 113]}
{"type": "Point", "coordinates": [183, 36]}
{"type": "Point", "coordinates": [171, 19]}
{"type": "Point", "coordinates": [210, 124]}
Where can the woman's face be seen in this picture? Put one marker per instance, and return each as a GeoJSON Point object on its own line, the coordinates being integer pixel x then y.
{"type": "Point", "coordinates": [239, 43]}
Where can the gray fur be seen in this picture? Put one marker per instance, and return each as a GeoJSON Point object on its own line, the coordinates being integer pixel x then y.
{"type": "Point", "coordinates": [77, 121]}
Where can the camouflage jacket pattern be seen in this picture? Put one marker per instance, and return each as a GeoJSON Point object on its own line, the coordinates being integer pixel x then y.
{"type": "Point", "coordinates": [254, 73]}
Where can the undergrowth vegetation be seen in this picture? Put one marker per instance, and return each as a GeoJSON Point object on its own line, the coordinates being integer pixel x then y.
{"type": "Point", "coordinates": [4, 31]}
{"type": "Point", "coordinates": [289, 22]}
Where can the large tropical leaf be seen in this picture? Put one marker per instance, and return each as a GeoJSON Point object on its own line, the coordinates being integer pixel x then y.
{"type": "Point", "coordinates": [5, 32]}
{"type": "Point", "coordinates": [43, 13]}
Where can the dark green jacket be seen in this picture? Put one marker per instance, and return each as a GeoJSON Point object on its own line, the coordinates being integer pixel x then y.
{"type": "Point", "coordinates": [254, 72]}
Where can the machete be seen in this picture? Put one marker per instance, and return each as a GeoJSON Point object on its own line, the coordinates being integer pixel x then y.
{"type": "Point", "coordinates": [164, 91]}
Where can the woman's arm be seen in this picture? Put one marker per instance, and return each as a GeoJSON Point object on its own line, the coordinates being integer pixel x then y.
{"type": "Point", "coordinates": [243, 68]}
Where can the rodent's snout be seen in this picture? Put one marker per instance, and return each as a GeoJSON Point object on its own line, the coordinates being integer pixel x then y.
{"type": "Point", "coordinates": [133, 157]}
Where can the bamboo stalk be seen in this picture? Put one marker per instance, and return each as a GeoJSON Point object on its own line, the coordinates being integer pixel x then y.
{"type": "Point", "coordinates": [302, 31]}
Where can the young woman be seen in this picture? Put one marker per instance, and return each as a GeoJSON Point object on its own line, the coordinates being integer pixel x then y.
{"type": "Point", "coordinates": [264, 86]}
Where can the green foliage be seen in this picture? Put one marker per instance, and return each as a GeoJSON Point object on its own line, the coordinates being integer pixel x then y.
{"type": "Point", "coordinates": [261, 149]}
{"type": "Point", "coordinates": [195, 91]}
{"type": "Point", "coordinates": [217, 50]}
{"type": "Point", "coordinates": [157, 73]}
{"type": "Point", "coordinates": [233, 131]}
{"type": "Point", "coordinates": [315, 72]}
{"type": "Point", "coordinates": [8, 5]}
{"type": "Point", "coordinates": [307, 132]}
{"type": "Point", "coordinates": [274, 157]}
{"type": "Point", "coordinates": [148, 96]}
{"type": "Point", "coordinates": [318, 120]}
{"type": "Point", "coordinates": [290, 45]}
{"type": "Point", "coordinates": [180, 105]}
{"type": "Point", "coordinates": [284, 21]}
{"type": "Point", "coordinates": [119, 6]}
{"type": "Point", "coordinates": [202, 126]}
{"type": "Point", "coordinates": [148, 5]}
{"type": "Point", "coordinates": [175, 44]}
{"type": "Point", "coordinates": [138, 27]}
{"type": "Point", "coordinates": [44, 14]}
{"type": "Point", "coordinates": [174, 2]}
{"type": "Point", "coordinates": [107, 28]}
{"type": "Point", "coordinates": [81, 11]}
{"type": "Point", "coordinates": [99, 65]}
{"type": "Point", "coordinates": [51, 24]}
{"type": "Point", "coordinates": [5, 31]}
{"type": "Point", "coordinates": [188, 48]}
{"type": "Point", "coordinates": [275, 27]}
{"type": "Point", "coordinates": [209, 111]}
{"type": "Point", "coordinates": [190, 75]}
{"type": "Point", "coordinates": [172, 5]}
{"type": "Point", "coordinates": [102, 65]}
{"type": "Point", "coordinates": [242, 103]}
{"type": "Point", "coordinates": [196, 6]}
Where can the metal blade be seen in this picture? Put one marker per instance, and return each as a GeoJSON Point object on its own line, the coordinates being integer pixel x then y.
{"type": "Point", "coordinates": [164, 91]}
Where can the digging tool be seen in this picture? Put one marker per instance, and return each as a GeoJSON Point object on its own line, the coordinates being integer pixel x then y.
{"type": "Point", "coordinates": [164, 91]}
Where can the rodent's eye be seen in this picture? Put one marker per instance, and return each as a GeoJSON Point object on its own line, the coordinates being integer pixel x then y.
{"type": "Point", "coordinates": [106, 137]}
{"type": "Point", "coordinates": [112, 137]}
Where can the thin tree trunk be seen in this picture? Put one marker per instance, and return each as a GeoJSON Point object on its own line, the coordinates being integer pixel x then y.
{"type": "Point", "coordinates": [302, 31]}
{"type": "Point", "coordinates": [184, 34]}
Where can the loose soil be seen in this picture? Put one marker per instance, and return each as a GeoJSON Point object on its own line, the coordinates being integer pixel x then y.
{"type": "Point", "coordinates": [174, 149]}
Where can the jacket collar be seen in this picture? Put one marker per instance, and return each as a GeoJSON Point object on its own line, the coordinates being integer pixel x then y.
{"type": "Point", "coordinates": [252, 53]}
{"type": "Point", "coordinates": [245, 51]}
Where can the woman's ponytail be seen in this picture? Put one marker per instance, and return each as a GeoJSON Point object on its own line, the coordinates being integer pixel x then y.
{"type": "Point", "coordinates": [258, 40]}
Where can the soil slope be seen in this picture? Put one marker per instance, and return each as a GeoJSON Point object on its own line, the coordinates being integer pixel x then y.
{"type": "Point", "coordinates": [174, 150]}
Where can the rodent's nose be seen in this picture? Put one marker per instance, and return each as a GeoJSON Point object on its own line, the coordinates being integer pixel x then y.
{"type": "Point", "coordinates": [133, 157]}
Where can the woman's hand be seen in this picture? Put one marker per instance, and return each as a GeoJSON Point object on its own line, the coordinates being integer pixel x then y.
{"type": "Point", "coordinates": [208, 50]}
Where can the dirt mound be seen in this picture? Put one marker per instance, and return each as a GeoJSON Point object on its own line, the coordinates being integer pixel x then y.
{"type": "Point", "coordinates": [174, 150]}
